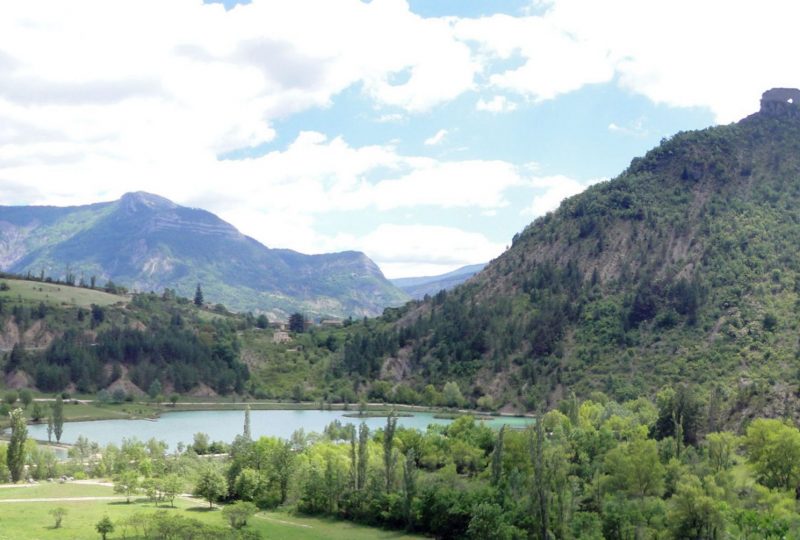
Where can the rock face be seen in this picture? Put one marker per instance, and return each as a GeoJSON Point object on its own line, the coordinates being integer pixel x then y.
{"type": "Point", "coordinates": [781, 102]}
{"type": "Point", "coordinates": [146, 242]}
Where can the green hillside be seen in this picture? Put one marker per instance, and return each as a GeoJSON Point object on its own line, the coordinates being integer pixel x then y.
{"type": "Point", "coordinates": [34, 292]}
{"type": "Point", "coordinates": [685, 268]}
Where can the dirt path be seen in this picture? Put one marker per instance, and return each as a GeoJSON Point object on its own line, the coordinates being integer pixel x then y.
{"type": "Point", "coordinates": [59, 499]}
{"type": "Point", "coordinates": [284, 522]}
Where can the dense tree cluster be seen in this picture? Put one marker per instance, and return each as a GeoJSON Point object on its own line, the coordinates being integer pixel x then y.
{"type": "Point", "coordinates": [172, 347]}
{"type": "Point", "coordinates": [589, 469]}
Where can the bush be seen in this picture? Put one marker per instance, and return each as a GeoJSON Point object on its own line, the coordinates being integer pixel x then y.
{"type": "Point", "coordinates": [238, 513]}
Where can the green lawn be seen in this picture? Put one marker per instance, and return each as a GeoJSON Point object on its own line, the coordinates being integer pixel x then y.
{"type": "Point", "coordinates": [31, 520]}
{"type": "Point", "coordinates": [33, 292]}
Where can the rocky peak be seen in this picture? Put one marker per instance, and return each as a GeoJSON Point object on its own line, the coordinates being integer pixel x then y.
{"type": "Point", "coordinates": [138, 201]}
{"type": "Point", "coordinates": [781, 102]}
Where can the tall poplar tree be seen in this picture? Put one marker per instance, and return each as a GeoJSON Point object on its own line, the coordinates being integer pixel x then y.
{"type": "Point", "coordinates": [58, 418]}
{"type": "Point", "coordinates": [15, 453]}
{"type": "Point", "coordinates": [246, 432]}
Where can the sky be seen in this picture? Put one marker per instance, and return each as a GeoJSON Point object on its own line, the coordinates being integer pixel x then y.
{"type": "Point", "coordinates": [425, 133]}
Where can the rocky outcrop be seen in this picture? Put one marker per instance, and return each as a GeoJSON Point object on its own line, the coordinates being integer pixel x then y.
{"type": "Point", "coordinates": [783, 102]}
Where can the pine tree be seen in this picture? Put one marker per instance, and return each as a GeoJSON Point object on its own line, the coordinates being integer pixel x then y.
{"type": "Point", "coordinates": [198, 296]}
{"type": "Point", "coordinates": [297, 323]}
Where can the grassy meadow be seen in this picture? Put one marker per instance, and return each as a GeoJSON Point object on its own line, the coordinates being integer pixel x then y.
{"type": "Point", "coordinates": [30, 519]}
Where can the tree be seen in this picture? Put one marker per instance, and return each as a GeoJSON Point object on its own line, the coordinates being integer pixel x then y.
{"type": "Point", "coordinates": [487, 523]}
{"type": "Point", "coordinates": [15, 453]}
{"type": "Point", "coordinates": [497, 458]}
{"type": "Point", "coordinates": [127, 483]}
{"type": "Point", "coordinates": [173, 399]}
{"type": "Point", "coordinates": [104, 527]}
{"type": "Point", "coordinates": [389, 457]}
{"type": "Point", "coordinates": [695, 512]}
{"type": "Point", "coordinates": [246, 485]}
{"type": "Point", "coordinates": [155, 389]}
{"type": "Point", "coordinates": [198, 296]}
{"type": "Point", "coordinates": [635, 467]}
{"type": "Point", "coordinates": [282, 461]}
{"type": "Point", "coordinates": [200, 444]}
{"type": "Point", "coordinates": [58, 418]}
{"type": "Point", "coordinates": [58, 514]}
{"type": "Point", "coordinates": [409, 487]}
{"type": "Point", "coordinates": [11, 397]}
{"type": "Point", "coordinates": [363, 455]}
{"type": "Point", "coordinates": [171, 486]}
{"type": "Point", "coordinates": [297, 323]}
{"type": "Point", "coordinates": [38, 411]}
{"type": "Point", "coordinates": [262, 321]}
{"type": "Point", "coordinates": [25, 396]}
{"type": "Point", "coordinates": [452, 394]}
{"type": "Point", "coordinates": [49, 428]}
{"type": "Point", "coordinates": [246, 430]}
{"type": "Point", "coordinates": [774, 450]}
{"type": "Point", "coordinates": [211, 485]}
{"type": "Point", "coordinates": [238, 513]}
{"type": "Point", "coordinates": [721, 449]}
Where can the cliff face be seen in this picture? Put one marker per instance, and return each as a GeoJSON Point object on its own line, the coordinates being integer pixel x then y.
{"type": "Point", "coordinates": [146, 242]}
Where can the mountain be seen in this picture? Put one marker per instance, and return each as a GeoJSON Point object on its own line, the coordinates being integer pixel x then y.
{"type": "Point", "coordinates": [418, 287]}
{"type": "Point", "coordinates": [683, 269]}
{"type": "Point", "coordinates": [146, 242]}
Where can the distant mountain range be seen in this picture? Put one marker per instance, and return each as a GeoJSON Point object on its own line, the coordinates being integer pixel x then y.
{"type": "Point", "coordinates": [146, 242]}
{"type": "Point", "coordinates": [418, 287]}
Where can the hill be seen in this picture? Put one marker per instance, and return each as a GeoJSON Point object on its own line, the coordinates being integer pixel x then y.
{"type": "Point", "coordinates": [684, 269]}
{"type": "Point", "coordinates": [418, 287]}
{"type": "Point", "coordinates": [148, 243]}
{"type": "Point", "coordinates": [58, 337]}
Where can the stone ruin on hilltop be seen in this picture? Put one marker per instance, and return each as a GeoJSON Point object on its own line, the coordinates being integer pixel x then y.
{"type": "Point", "coordinates": [781, 102]}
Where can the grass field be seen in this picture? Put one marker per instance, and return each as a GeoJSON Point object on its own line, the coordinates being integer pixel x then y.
{"type": "Point", "coordinates": [33, 292]}
{"type": "Point", "coordinates": [31, 519]}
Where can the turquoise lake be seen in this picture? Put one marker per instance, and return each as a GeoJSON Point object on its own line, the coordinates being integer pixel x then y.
{"type": "Point", "coordinates": [175, 427]}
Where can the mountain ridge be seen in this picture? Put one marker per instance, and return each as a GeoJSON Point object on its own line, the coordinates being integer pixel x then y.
{"type": "Point", "coordinates": [150, 243]}
{"type": "Point", "coordinates": [418, 287]}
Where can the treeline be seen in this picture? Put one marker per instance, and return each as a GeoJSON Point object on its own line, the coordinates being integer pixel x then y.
{"type": "Point", "coordinates": [594, 469]}
{"type": "Point", "coordinates": [70, 279]}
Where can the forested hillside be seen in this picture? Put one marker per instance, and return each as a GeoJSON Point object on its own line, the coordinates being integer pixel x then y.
{"type": "Point", "coordinates": [685, 268]}
{"type": "Point", "coordinates": [57, 337]}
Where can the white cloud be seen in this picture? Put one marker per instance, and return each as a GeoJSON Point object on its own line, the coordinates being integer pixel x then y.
{"type": "Point", "coordinates": [635, 129]}
{"type": "Point", "coordinates": [417, 250]}
{"type": "Point", "coordinates": [551, 191]}
{"type": "Point", "coordinates": [555, 62]}
{"type": "Point", "coordinates": [437, 138]}
{"type": "Point", "coordinates": [498, 104]}
{"type": "Point", "coordinates": [681, 53]}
